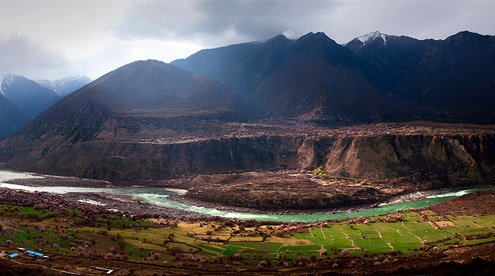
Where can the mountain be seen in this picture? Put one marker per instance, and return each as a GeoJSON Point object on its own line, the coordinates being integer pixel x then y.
{"type": "Point", "coordinates": [66, 85]}
{"type": "Point", "coordinates": [310, 78]}
{"type": "Point", "coordinates": [142, 97]}
{"type": "Point", "coordinates": [375, 77]}
{"type": "Point", "coordinates": [321, 80]}
{"type": "Point", "coordinates": [31, 97]}
{"type": "Point", "coordinates": [451, 79]}
{"type": "Point", "coordinates": [115, 119]}
{"type": "Point", "coordinates": [11, 117]}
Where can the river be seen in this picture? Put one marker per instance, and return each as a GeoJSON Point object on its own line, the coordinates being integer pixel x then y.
{"type": "Point", "coordinates": [162, 197]}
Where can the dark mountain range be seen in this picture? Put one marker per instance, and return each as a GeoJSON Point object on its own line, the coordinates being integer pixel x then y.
{"type": "Point", "coordinates": [450, 79]}
{"type": "Point", "coordinates": [310, 78]}
{"type": "Point", "coordinates": [12, 118]}
{"type": "Point", "coordinates": [30, 96]}
{"type": "Point", "coordinates": [66, 85]}
{"type": "Point", "coordinates": [382, 77]}
{"type": "Point", "coordinates": [321, 80]}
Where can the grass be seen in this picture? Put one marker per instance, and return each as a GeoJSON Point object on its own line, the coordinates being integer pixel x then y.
{"type": "Point", "coordinates": [375, 237]}
{"type": "Point", "coordinates": [35, 213]}
{"type": "Point", "coordinates": [211, 248]}
{"type": "Point", "coordinates": [30, 237]}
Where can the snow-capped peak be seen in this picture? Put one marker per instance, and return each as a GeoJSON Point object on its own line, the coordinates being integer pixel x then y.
{"type": "Point", "coordinates": [290, 34]}
{"type": "Point", "coordinates": [65, 85]}
{"type": "Point", "coordinates": [372, 36]}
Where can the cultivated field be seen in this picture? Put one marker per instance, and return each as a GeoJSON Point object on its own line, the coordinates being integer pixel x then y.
{"type": "Point", "coordinates": [77, 240]}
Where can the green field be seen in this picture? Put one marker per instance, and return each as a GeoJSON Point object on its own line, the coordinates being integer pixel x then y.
{"type": "Point", "coordinates": [375, 237]}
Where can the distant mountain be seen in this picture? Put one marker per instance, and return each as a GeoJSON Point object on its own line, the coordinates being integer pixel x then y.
{"type": "Point", "coordinates": [375, 37]}
{"type": "Point", "coordinates": [66, 85]}
{"type": "Point", "coordinates": [30, 96]}
{"type": "Point", "coordinates": [12, 119]}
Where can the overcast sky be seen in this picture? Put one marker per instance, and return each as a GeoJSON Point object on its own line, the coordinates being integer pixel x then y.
{"type": "Point", "coordinates": [54, 38]}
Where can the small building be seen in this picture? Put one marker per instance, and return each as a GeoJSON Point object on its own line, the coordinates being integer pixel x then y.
{"type": "Point", "coordinates": [35, 254]}
{"type": "Point", "coordinates": [107, 270]}
{"type": "Point", "coordinates": [13, 255]}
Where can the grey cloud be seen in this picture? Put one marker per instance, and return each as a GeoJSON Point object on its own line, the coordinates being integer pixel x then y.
{"type": "Point", "coordinates": [217, 22]}
{"type": "Point", "coordinates": [20, 54]}
{"type": "Point", "coordinates": [97, 36]}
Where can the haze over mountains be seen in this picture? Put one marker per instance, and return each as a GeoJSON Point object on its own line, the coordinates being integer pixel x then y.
{"type": "Point", "coordinates": [28, 94]}
{"type": "Point", "coordinates": [66, 85]}
{"type": "Point", "coordinates": [30, 98]}
{"type": "Point", "coordinates": [253, 106]}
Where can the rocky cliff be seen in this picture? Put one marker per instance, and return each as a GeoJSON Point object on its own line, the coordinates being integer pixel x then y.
{"type": "Point", "coordinates": [429, 160]}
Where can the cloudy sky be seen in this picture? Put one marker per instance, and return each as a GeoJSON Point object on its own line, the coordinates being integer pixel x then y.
{"type": "Point", "coordinates": [54, 38]}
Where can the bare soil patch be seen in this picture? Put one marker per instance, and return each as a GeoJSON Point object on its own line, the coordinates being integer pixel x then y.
{"type": "Point", "coordinates": [444, 223]}
{"type": "Point", "coordinates": [289, 191]}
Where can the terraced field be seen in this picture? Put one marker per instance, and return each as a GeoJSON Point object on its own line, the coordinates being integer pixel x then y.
{"type": "Point", "coordinates": [418, 229]}
{"type": "Point", "coordinates": [374, 237]}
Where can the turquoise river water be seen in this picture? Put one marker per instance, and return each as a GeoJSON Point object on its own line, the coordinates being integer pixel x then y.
{"type": "Point", "coordinates": [162, 197]}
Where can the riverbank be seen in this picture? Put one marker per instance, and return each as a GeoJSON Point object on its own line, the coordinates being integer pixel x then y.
{"type": "Point", "coordinates": [159, 202]}
{"type": "Point", "coordinates": [408, 197]}
{"type": "Point", "coordinates": [342, 195]}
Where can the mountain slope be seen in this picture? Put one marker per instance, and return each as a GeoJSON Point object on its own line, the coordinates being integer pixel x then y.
{"type": "Point", "coordinates": [11, 117]}
{"type": "Point", "coordinates": [31, 97]}
{"type": "Point", "coordinates": [240, 67]}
